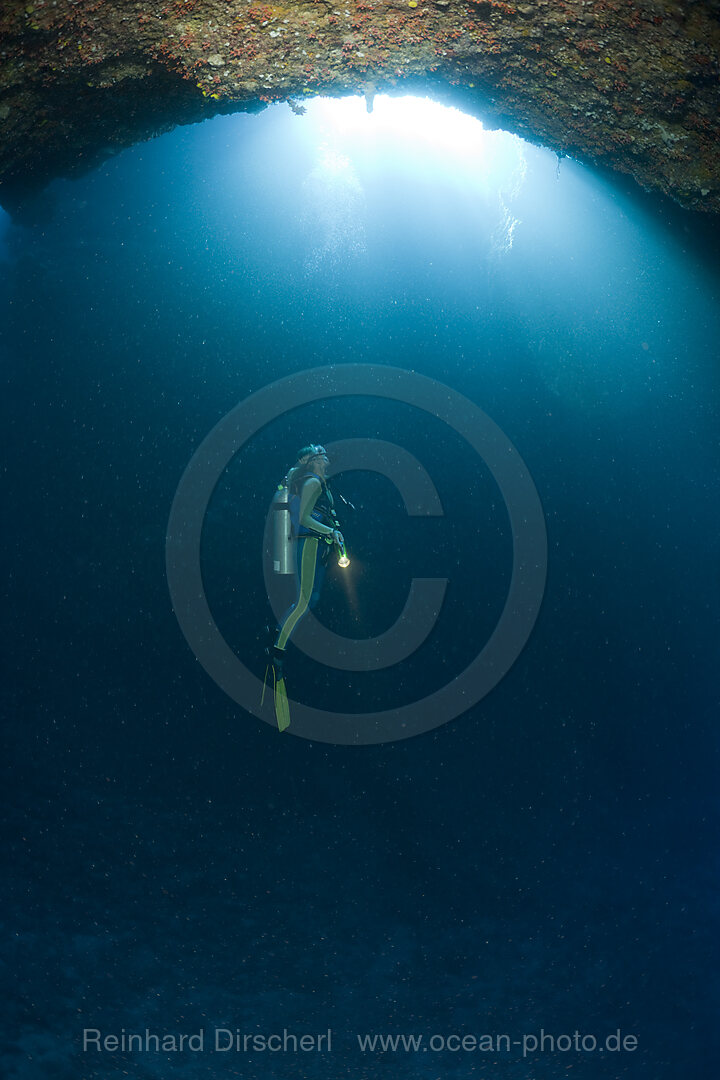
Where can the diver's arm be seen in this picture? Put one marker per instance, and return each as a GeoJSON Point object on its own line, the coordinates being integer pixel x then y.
{"type": "Point", "coordinates": [309, 495]}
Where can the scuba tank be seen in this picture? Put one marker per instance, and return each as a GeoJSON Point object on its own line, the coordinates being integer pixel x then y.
{"type": "Point", "coordinates": [282, 545]}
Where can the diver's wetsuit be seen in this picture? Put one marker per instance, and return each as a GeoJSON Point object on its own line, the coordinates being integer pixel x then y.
{"type": "Point", "coordinates": [312, 553]}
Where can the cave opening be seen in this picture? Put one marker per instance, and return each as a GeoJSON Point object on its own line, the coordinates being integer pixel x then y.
{"type": "Point", "coordinates": [363, 208]}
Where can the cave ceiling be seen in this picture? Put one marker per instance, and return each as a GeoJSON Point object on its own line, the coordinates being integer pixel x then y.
{"type": "Point", "coordinates": [630, 86]}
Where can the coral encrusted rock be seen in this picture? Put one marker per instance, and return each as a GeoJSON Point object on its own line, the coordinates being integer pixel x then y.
{"type": "Point", "coordinates": [630, 84]}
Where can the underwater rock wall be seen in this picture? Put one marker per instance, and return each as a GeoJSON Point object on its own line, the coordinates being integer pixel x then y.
{"type": "Point", "coordinates": [630, 84]}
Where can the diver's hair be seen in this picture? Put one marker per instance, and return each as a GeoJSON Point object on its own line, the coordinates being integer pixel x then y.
{"type": "Point", "coordinates": [295, 475]}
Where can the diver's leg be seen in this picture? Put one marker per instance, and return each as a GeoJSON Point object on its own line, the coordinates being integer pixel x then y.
{"type": "Point", "coordinates": [307, 563]}
{"type": "Point", "coordinates": [299, 548]}
{"type": "Point", "coordinates": [307, 568]}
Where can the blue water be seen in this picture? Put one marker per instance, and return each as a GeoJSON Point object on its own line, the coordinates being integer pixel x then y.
{"type": "Point", "coordinates": [544, 861]}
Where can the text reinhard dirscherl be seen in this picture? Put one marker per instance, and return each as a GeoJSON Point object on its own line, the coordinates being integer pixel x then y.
{"type": "Point", "coordinates": [223, 1040]}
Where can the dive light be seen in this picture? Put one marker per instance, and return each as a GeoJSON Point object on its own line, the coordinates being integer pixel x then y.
{"type": "Point", "coordinates": [343, 559]}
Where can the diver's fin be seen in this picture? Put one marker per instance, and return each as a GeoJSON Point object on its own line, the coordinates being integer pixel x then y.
{"type": "Point", "coordinates": [282, 709]}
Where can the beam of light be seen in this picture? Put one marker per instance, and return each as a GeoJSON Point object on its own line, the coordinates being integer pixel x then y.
{"type": "Point", "coordinates": [408, 119]}
{"type": "Point", "coordinates": [347, 579]}
{"type": "Point", "coordinates": [430, 154]}
{"type": "Point", "coordinates": [418, 125]}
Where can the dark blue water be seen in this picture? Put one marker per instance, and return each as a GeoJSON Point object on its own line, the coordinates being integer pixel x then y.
{"type": "Point", "coordinates": [546, 860]}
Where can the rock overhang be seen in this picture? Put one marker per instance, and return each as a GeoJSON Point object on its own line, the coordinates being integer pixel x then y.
{"type": "Point", "coordinates": [629, 86]}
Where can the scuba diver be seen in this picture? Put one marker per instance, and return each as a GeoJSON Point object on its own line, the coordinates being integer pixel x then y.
{"type": "Point", "coordinates": [305, 520]}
